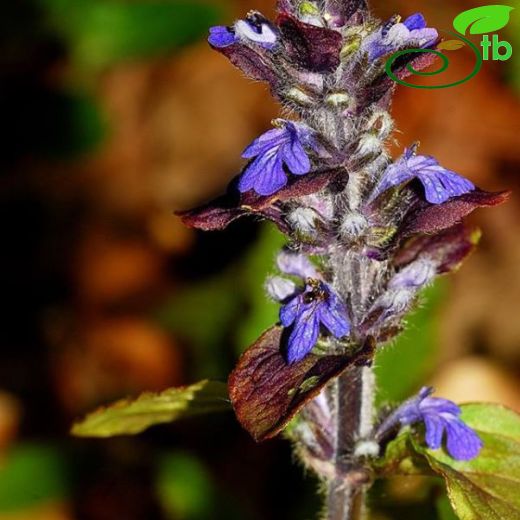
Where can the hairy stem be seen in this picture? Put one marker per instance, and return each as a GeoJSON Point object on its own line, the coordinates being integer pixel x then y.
{"type": "Point", "coordinates": [353, 401]}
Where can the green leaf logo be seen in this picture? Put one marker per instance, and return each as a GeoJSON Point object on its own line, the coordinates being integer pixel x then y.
{"type": "Point", "coordinates": [450, 45]}
{"type": "Point", "coordinates": [482, 20]}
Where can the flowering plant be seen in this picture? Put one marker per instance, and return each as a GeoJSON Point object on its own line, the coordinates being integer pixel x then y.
{"type": "Point", "coordinates": [365, 234]}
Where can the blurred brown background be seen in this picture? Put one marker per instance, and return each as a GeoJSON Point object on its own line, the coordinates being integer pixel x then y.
{"type": "Point", "coordinates": [116, 113]}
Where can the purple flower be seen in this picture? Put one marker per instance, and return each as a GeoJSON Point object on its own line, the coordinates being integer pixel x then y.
{"type": "Point", "coordinates": [402, 289]}
{"type": "Point", "coordinates": [393, 36]}
{"type": "Point", "coordinates": [439, 183]}
{"type": "Point", "coordinates": [279, 146]}
{"type": "Point", "coordinates": [254, 29]}
{"type": "Point", "coordinates": [415, 275]}
{"type": "Point", "coordinates": [306, 308]}
{"type": "Point", "coordinates": [221, 36]}
{"type": "Point", "coordinates": [440, 417]}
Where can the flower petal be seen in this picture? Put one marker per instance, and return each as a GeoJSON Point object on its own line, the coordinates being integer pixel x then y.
{"type": "Point", "coordinates": [415, 21]}
{"type": "Point", "coordinates": [290, 311]}
{"type": "Point", "coordinates": [304, 334]}
{"type": "Point", "coordinates": [441, 184]}
{"type": "Point", "coordinates": [263, 35]}
{"type": "Point", "coordinates": [221, 36]}
{"type": "Point", "coordinates": [266, 141]}
{"type": "Point", "coordinates": [333, 314]}
{"type": "Point", "coordinates": [438, 405]}
{"type": "Point", "coordinates": [279, 289]}
{"type": "Point", "coordinates": [296, 264]}
{"type": "Point", "coordinates": [295, 158]}
{"type": "Point", "coordinates": [434, 430]}
{"type": "Point", "coordinates": [396, 174]}
{"type": "Point", "coordinates": [265, 174]}
{"type": "Point", "coordinates": [462, 442]}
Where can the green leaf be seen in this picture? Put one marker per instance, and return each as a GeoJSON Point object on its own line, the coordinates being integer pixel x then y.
{"type": "Point", "coordinates": [401, 458]}
{"type": "Point", "coordinates": [487, 487]}
{"type": "Point", "coordinates": [444, 509]}
{"type": "Point", "coordinates": [482, 20]}
{"type": "Point", "coordinates": [131, 416]}
{"type": "Point", "coordinates": [32, 474]}
{"type": "Point", "coordinates": [402, 366]}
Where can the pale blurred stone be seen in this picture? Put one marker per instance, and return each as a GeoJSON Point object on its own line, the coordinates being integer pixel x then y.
{"type": "Point", "coordinates": [477, 379]}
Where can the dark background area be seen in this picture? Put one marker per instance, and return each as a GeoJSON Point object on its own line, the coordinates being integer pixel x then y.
{"type": "Point", "coordinates": [115, 113]}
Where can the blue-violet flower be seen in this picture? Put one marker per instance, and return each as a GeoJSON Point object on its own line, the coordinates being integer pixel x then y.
{"type": "Point", "coordinates": [276, 147]}
{"type": "Point", "coordinates": [306, 308]}
{"type": "Point", "coordinates": [393, 36]}
{"type": "Point", "coordinates": [440, 417]}
{"type": "Point", "coordinates": [255, 29]}
{"type": "Point", "coordinates": [439, 183]}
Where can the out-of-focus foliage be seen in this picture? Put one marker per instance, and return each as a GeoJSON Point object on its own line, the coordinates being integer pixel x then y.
{"type": "Point", "coordinates": [185, 488]}
{"type": "Point", "coordinates": [513, 33]}
{"type": "Point", "coordinates": [404, 365]}
{"type": "Point", "coordinates": [100, 33]}
{"type": "Point", "coordinates": [33, 474]}
{"type": "Point", "coordinates": [203, 314]}
{"type": "Point", "coordinates": [128, 417]}
{"type": "Point", "coordinates": [258, 263]}
{"type": "Point", "coordinates": [208, 312]}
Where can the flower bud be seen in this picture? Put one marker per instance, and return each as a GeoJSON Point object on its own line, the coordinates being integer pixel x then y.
{"type": "Point", "coordinates": [369, 144]}
{"type": "Point", "coordinates": [353, 225]}
{"type": "Point", "coordinates": [414, 275]}
{"type": "Point", "coordinates": [303, 220]}
{"type": "Point", "coordinates": [299, 96]}
{"type": "Point", "coordinates": [382, 123]}
{"type": "Point", "coordinates": [279, 288]}
{"type": "Point", "coordinates": [338, 99]}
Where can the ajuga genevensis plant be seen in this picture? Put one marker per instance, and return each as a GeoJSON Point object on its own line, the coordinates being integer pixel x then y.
{"type": "Point", "coordinates": [365, 234]}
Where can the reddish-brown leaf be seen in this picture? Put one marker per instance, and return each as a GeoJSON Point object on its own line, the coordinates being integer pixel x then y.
{"type": "Point", "coordinates": [429, 218]}
{"type": "Point", "coordinates": [266, 392]}
{"type": "Point", "coordinates": [220, 212]}
{"type": "Point", "coordinates": [313, 48]}
{"type": "Point", "coordinates": [252, 63]}
{"type": "Point", "coordinates": [447, 249]}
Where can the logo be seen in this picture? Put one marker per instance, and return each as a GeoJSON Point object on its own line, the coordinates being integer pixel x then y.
{"type": "Point", "coordinates": [480, 20]}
